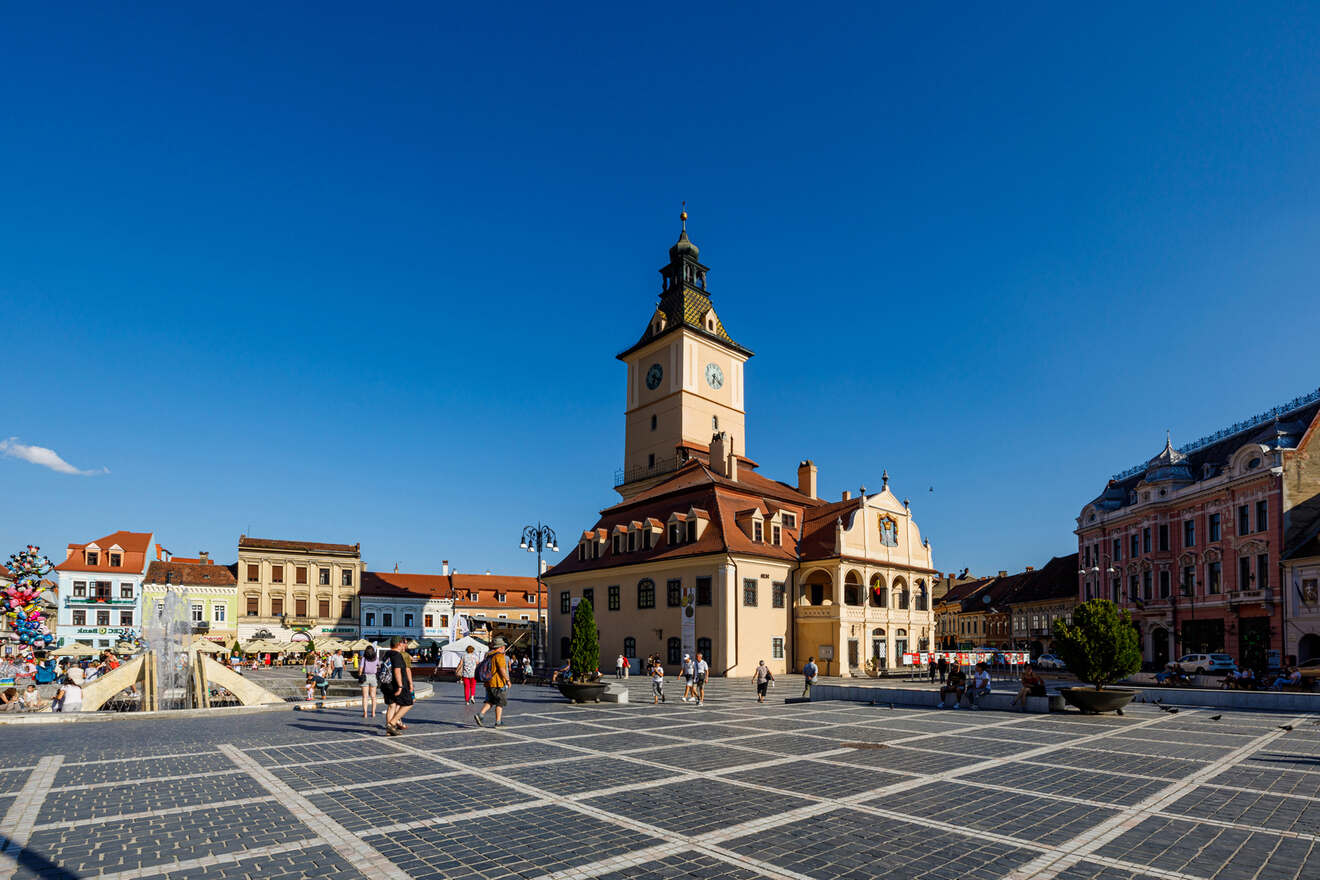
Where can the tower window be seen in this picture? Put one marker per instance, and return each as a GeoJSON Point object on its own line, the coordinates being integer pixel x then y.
{"type": "Point", "coordinates": [714, 423]}
{"type": "Point", "coordinates": [650, 460]}
{"type": "Point", "coordinates": [652, 422]}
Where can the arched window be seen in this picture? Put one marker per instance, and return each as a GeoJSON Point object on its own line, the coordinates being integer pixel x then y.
{"type": "Point", "coordinates": [675, 651]}
{"type": "Point", "coordinates": [704, 649]}
{"type": "Point", "coordinates": [629, 647]}
{"type": "Point", "coordinates": [714, 423]}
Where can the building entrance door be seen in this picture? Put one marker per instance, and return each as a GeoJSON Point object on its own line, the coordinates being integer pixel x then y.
{"type": "Point", "coordinates": [878, 652]}
{"type": "Point", "coordinates": [1159, 647]}
{"type": "Point", "coordinates": [853, 650]}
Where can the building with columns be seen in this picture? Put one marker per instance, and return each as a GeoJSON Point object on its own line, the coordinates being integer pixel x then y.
{"type": "Point", "coordinates": [1194, 541]}
{"type": "Point", "coordinates": [704, 554]}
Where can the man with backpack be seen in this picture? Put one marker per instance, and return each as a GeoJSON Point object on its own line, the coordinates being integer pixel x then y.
{"type": "Point", "coordinates": [394, 675]}
{"type": "Point", "coordinates": [493, 671]}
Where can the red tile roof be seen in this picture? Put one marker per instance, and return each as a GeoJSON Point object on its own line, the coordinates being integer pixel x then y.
{"type": "Point", "coordinates": [246, 543]}
{"type": "Point", "coordinates": [133, 544]}
{"type": "Point", "coordinates": [694, 485]}
{"type": "Point", "coordinates": [456, 584]}
{"type": "Point", "coordinates": [189, 574]}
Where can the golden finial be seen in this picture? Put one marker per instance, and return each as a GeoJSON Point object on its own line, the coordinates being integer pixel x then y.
{"type": "Point", "coordinates": [683, 216]}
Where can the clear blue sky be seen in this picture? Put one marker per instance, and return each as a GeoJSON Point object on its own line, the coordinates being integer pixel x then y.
{"type": "Point", "coordinates": [350, 273]}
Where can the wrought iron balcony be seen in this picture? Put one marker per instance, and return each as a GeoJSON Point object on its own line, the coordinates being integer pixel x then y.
{"type": "Point", "coordinates": [84, 601]}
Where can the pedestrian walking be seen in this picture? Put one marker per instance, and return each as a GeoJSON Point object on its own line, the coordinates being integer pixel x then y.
{"type": "Point", "coordinates": [699, 683]}
{"type": "Point", "coordinates": [657, 682]}
{"type": "Point", "coordinates": [467, 673]}
{"type": "Point", "coordinates": [337, 664]}
{"type": "Point", "coordinates": [394, 675]}
{"type": "Point", "coordinates": [689, 670]}
{"type": "Point", "coordinates": [763, 678]}
{"type": "Point", "coordinates": [944, 668]}
{"type": "Point", "coordinates": [496, 679]}
{"type": "Point", "coordinates": [367, 678]}
{"type": "Point", "coordinates": [627, 667]}
{"type": "Point", "coordinates": [934, 669]}
{"type": "Point", "coordinates": [809, 674]}
{"type": "Point", "coordinates": [618, 666]}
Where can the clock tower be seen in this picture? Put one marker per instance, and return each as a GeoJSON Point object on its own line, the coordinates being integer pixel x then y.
{"type": "Point", "coordinates": [685, 377]}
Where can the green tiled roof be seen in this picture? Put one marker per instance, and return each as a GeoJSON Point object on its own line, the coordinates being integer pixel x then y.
{"type": "Point", "coordinates": [686, 307]}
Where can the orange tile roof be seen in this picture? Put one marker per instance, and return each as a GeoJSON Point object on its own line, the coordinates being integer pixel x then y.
{"type": "Point", "coordinates": [133, 544]}
{"type": "Point", "coordinates": [456, 585]}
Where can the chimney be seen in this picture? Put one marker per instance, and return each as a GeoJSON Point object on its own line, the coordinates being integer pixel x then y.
{"type": "Point", "coordinates": [205, 556]}
{"type": "Point", "coordinates": [1031, 568]}
{"type": "Point", "coordinates": [807, 478]}
{"type": "Point", "coordinates": [1002, 573]}
{"type": "Point", "coordinates": [846, 495]}
{"type": "Point", "coordinates": [722, 459]}
{"type": "Point", "coordinates": [444, 567]}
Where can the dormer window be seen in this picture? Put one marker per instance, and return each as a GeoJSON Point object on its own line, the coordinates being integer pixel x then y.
{"type": "Point", "coordinates": [93, 557]}
{"type": "Point", "coordinates": [675, 532]}
{"type": "Point", "coordinates": [776, 535]}
{"type": "Point", "coordinates": [789, 519]}
{"type": "Point", "coordinates": [691, 530]}
{"type": "Point", "coordinates": [582, 552]}
{"type": "Point", "coordinates": [618, 543]}
{"type": "Point", "coordinates": [758, 531]}
{"type": "Point", "coordinates": [472, 595]}
{"type": "Point", "coordinates": [115, 560]}
{"type": "Point", "coordinates": [501, 597]}
{"type": "Point", "coordinates": [647, 540]}
{"type": "Point", "coordinates": [632, 540]}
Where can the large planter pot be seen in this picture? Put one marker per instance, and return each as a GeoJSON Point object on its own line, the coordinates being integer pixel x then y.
{"type": "Point", "coordinates": [582, 692]}
{"type": "Point", "coordinates": [1093, 702]}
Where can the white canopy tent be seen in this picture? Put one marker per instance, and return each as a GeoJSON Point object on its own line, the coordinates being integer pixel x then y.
{"type": "Point", "coordinates": [451, 653]}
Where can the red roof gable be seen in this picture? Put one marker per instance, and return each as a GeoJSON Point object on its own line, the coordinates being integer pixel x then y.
{"type": "Point", "coordinates": [133, 546]}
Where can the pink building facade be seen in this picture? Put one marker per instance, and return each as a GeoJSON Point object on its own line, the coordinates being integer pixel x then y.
{"type": "Point", "coordinates": [1193, 542]}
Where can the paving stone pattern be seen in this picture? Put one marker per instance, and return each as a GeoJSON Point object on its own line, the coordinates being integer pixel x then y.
{"type": "Point", "coordinates": [727, 791]}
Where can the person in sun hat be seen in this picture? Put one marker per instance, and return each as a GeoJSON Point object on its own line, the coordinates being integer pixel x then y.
{"type": "Point", "coordinates": [496, 680]}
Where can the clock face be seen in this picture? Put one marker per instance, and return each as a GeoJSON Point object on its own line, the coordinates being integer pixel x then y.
{"type": "Point", "coordinates": [654, 375]}
{"type": "Point", "coordinates": [714, 376]}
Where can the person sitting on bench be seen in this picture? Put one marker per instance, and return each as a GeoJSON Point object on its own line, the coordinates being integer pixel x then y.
{"type": "Point", "coordinates": [956, 684]}
{"type": "Point", "coordinates": [1291, 677]}
{"type": "Point", "coordinates": [980, 684]}
{"type": "Point", "coordinates": [1032, 686]}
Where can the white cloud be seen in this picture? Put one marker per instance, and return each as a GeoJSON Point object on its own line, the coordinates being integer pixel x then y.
{"type": "Point", "coordinates": [48, 458]}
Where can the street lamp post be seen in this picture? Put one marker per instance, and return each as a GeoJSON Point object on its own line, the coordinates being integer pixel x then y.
{"type": "Point", "coordinates": [536, 539]}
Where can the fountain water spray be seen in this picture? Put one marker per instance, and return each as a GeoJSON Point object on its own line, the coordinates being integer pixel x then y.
{"type": "Point", "coordinates": [168, 632]}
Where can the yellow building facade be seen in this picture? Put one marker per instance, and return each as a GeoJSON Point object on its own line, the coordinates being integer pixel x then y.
{"type": "Point", "coordinates": [704, 554]}
{"type": "Point", "coordinates": [287, 588]}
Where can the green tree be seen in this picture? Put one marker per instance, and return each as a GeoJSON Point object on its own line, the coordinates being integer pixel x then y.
{"type": "Point", "coordinates": [1100, 646]}
{"type": "Point", "coordinates": [584, 644]}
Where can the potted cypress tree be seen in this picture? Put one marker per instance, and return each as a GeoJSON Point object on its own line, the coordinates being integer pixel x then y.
{"type": "Point", "coordinates": [583, 682]}
{"type": "Point", "coordinates": [1100, 646]}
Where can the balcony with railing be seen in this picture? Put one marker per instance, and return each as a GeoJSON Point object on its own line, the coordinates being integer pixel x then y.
{"type": "Point", "coordinates": [1245, 597]}
{"type": "Point", "coordinates": [641, 472]}
{"type": "Point", "coordinates": [84, 601]}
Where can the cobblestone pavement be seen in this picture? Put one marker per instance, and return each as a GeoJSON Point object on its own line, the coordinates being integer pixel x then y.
{"type": "Point", "coordinates": [730, 790]}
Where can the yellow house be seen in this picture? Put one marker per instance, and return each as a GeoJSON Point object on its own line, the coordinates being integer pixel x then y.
{"type": "Point", "coordinates": [704, 554]}
{"type": "Point", "coordinates": [209, 590]}
{"type": "Point", "coordinates": [298, 588]}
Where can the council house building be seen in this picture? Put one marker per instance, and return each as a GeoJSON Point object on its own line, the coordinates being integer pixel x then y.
{"type": "Point", "coordinates": [704, 554]}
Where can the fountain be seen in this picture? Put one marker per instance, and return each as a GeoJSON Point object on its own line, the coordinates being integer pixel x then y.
{"type": "Point", "coordinates": [167, 633]}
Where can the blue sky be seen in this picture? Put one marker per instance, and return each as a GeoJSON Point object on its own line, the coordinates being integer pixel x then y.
{"type": "Point", "coordinates": [346, 274]}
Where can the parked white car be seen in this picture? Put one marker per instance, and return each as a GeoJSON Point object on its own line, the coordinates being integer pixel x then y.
{"type": "Point", "coordinates": [1049, 661]}
{"type": "Point", "coordinates": [1205, 664]}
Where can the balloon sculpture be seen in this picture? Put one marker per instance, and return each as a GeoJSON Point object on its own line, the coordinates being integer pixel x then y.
{"type": "Point", "coordinates": [19, 599]}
